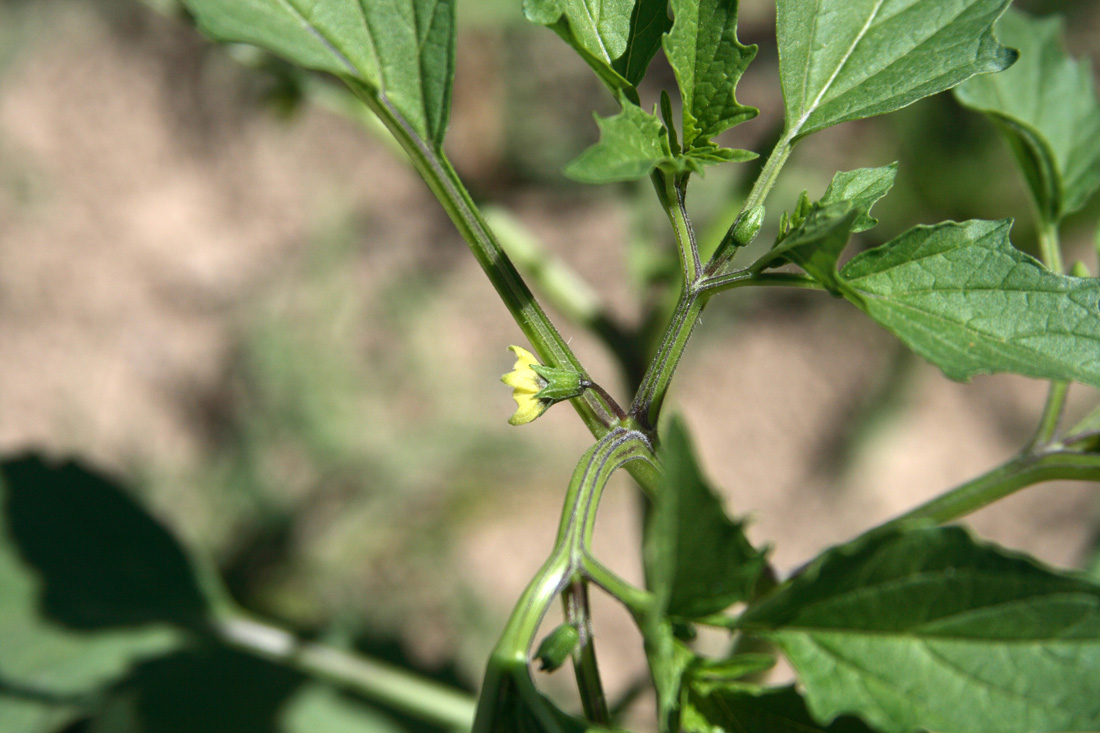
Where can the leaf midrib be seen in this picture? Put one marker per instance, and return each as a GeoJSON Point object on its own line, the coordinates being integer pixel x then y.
{"type": "Point", "coordinates": [840, 66]}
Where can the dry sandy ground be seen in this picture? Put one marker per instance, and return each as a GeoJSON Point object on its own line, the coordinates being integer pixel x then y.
{"type": "Point", "coordinates": [146, 206]}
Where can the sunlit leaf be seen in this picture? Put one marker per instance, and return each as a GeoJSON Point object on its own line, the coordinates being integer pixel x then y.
{"type": "Point", "coordinates": [631, 145]}
{"type": "Point", "coordinates": [863, 187]}
{"type": "Point", "coordinates": [598, 30]}
{"type": "Point", "coordinates": [961, 296]}
{"type": "Point", "coordinates": [928, 629]}
{"type": "Point", "coordinates": [708, 60]}
{"type": "Point", "coordinates": [400, 50]}
{"type": "Point", "coordinates": [843, 60]}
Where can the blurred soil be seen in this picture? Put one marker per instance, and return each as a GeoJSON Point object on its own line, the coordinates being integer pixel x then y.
{"type": "Point", "coordinates": [270, 328]}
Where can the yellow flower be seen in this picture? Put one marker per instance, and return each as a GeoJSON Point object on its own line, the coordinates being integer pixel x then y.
{"type": "Point", "coordinates": [535, 387]}
{"type": "Point", "coordinates": [525, 384]}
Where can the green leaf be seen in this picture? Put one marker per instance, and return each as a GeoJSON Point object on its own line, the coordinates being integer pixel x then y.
{"type": "Point", "coordinates": [669, 660]}
{"type": "Point", "coordinates": [648, 24]}
{"type": "Point", "coordinates": [103, 560]}
{"type": "Point", "coordinates": [843, 60]}
{"type": "Point", "coordinates": [632, 144]}
{"type": "Point", "coordinates": [600, 31]}
{"type": "Point", "coordinates": [745, 708]}
{"type": "Point", "coordinates": [50, 675]}
{"type": "Point", "coordinates": [816, 243]}
{"type": "Point", "coordinates": [509, 703]}
{"type": "Point", "coordinates": [1047, 108]}
{"type": "Point", "coordinates": [863, 187]}
{"type": "Point", "coordinates": [708, 61]}
{"type": "Point", "coordinates": [928, 629]}
{"type": "Point", "coordinates": [961, 296]}
{"type": "Point", "coordinates": [697, 561]}
{"type": "Point", "coordinates": [401, 51]}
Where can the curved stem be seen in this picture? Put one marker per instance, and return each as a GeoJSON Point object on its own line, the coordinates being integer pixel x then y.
{"type": "Point", "coordinates": [566, 564]}
{"type": "Point", "coordinates": [672, 192]}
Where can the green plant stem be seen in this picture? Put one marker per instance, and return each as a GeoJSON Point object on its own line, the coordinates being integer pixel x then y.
{"type": "Point", "coordinates": [593, 699]}
{"type": "Point", "coordinates": [1052, 415]}
{"type": "Point", "coordinates": [760, 190]}
{"type": "Point", "coordinates": [1050, 248]}
{"type": "Point", "coordinates": [393, 687]}
{"type": "Point", "coordinates": [567, 563]}
{"type": "Point", "coordinates": [1022, 471]}
{"type": "Point", "coordinates": [448, 188]}
{"type": "Point", "coordinates": [646, 408]}
{"type": "Point", "coordinates": [672, 192]}
{"type": "Point", "coordinates": [699, 283]}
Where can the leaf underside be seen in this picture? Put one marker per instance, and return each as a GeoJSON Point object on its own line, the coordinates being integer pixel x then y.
{"type": "Point", "coordinates": [400, 50]}
{"type": "Point", "coordinates": [844, 60]}
{"type": "Point", "coordinates": [928, 629]}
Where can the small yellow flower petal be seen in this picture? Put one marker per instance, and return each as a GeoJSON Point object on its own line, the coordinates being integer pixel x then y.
{"type": "Point", "coordinates": [525, 384]}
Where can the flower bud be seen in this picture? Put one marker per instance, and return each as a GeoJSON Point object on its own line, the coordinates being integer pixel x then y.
{"type": "Point", "coordinates": [748, 226]}
{"type": "Point", "coordinates": [535, 387]}
{"type": "Point", "coordinates": [557, 646]}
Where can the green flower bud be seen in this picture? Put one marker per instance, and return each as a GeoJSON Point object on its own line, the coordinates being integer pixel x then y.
{"type": "Point", "coordinates": [557, 646]}
{"type": "Point", "coordinates": [748, 226]}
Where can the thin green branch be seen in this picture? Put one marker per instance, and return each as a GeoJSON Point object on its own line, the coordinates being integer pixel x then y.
{"type": "Point", "coordinates": [1050, 248]}
{"type": "Point", "coordinates": [760, 190]}
{"type": "Point", "coordinates": [457, 202]}
{"type": "Point", "coordinates": [1018, 473]}
{"type": "Point", "coordinates": [593, 698]}
{"type": "Point", "coordinates": [416, 696]}
{"type": "Point", "coordinates": [672, 192]}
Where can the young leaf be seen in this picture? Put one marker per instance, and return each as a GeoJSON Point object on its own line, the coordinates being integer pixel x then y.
{"type": "Point", "coordinates": [816, 243]}
{"type": "Point", "coordinates": [632, 144]}
{"type": "Point", "coordinates": [843, 60]}
{"type": "Point", "coordinates": [698, 562]}
{"type": "Point", "coordinates": [863, 187]}
{"type": "Point", "coordinates": [963, 297]}
{"type": "Point", "coordinates": [745, 708]}
{"type": "Point", "coordinates": [1046, 106]}
{"type": "Point", "coordinates": [928, 629]}
{"type": "Point", "coordinates": [400, 50]}
{"type": "Point", "coordinates": [708, 61]}
{"type": "Point", "coordinates": [600, 32]}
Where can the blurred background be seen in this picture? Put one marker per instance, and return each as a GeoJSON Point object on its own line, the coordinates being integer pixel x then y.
{"type": "Point", "coordinates": [226, 290]}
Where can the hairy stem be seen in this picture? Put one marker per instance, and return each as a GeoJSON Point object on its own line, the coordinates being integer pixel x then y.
{"type": "Point", "coordinates": [593, 699]}
{"type": "Point", "coordinates": [448, 188]}
{"type": "Point", "coordinates": [760, 190]}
